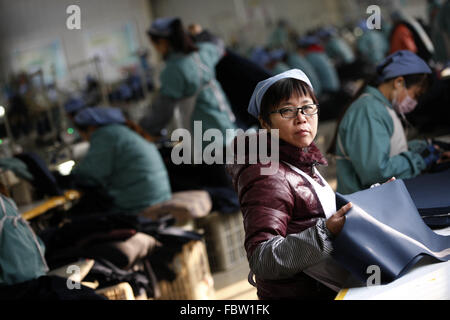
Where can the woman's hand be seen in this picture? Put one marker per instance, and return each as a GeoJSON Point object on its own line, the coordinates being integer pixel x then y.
{"type": "Point", "coordinates": [336, 222]}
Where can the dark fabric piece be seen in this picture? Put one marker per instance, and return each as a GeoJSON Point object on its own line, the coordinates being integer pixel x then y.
{"type": "Point", "coordinates": [57, 240]}
{"type": "Point", "coordinates": [238, 77]}
{"type": "Point", "coordinates": [93, 200]}
{"type": "Point", "coordinates": [430, 193]}
{"type": "Point", "coordinates": [75, 239]}
{"type": "Point", "coordinates": [384, 228]}
{"type": "Point", "coordinates": [331, 104]}
{"type": "Point", "coordinates": [107, 274]}
{"type": "Point", "coordinates": [437, 221]}
{"type": "Point", "coordinates": [44, 182]}
{"type": "Point", "coordinates": [224, 200]}
{"type": "Point", "coordinates": [122, 253]}
{"type": "Point", "coordinates": [185, 177]}
{"type": "Point", "coordinates": [47, 288]}
{"type": "Point", "coordinates": [118, 246]}
{"type": "Point", "coordinates": [172, 240]}
{"type": "Point", "coordinates": [432, 110]}
{"type": "Point", "coordinates": [355, 71]}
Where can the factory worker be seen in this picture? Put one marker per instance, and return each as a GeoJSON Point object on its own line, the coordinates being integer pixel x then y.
{"type": "Point", "coordinates": [188, 79]}
{"type": "Point", "coordinates": [290, 216]}
{"type": "Point", "coordinates": [335, 47]}
{"type": "Point", "coordinates": [296, 60]}
{"type": "Point", "coordinates": [370, 142]}
{"type": "Point", "coordinates": [372, 45]}
{"type": "Point", "coordinates": [277, 63]}
{"type": "Point", "coordinates": [310, 48]}
{"type": "Point", "coordinates": [122, 164]}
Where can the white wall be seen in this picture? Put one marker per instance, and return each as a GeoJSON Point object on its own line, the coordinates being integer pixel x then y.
{"type": "Point", "coordinates": [28, 23]}
{"type": "Point", "coordinates": [247, 19]}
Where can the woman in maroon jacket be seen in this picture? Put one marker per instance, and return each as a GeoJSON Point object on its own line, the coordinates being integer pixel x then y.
{"type": "Point", "coordinates": [290, 216]}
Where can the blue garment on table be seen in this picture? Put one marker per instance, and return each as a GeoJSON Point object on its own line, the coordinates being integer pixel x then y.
{"type": "Point", "coordinates": [431, 195]}
{"type": "Point", "coordinates": [384, 228]}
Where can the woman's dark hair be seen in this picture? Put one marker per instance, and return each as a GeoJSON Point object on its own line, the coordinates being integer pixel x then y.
{"type": "Point", "coordinates": [179, 40]}
{"type": "Point", "coordinates": [80, 128]}
{"type": "Point", "coordinates": [281, 91]}
{"type": "Point", "coordinates": [421, 79]}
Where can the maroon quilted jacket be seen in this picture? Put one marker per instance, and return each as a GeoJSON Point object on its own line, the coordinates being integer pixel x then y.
{"type": "Point", "coordinates": [279, 204]}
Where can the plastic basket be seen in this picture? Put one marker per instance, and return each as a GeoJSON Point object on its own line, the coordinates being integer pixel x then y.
{"type": "Point", "coordinates": [224, 237]}
{"type": "Point", "coordinates": [193, 280]}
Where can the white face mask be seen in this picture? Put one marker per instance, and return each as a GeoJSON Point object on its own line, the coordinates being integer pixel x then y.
{"type": "Point", "coordinates": [405, 106]}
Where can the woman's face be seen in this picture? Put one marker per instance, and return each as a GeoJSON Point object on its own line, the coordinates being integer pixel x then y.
{"type": "Point", "coordinates": [161, 46]}
{"type": "Point", "coordinates": [299, 131]}
{"type": "Point", "coordinates": [400, 91]}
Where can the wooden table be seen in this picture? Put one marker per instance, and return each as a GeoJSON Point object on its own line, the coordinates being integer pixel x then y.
{"type": "Point", "coordinates": [39, 208]}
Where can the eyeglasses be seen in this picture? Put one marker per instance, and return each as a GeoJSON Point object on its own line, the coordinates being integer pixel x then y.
{"type": "Point", "coordinates": [292, 112]}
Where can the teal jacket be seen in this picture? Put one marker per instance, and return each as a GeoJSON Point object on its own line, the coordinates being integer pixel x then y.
{"type": "Point", "coordinates": [337, 49]}
{"type": "Point", "coordinates": [182, 78]}
{"type": "Point", "coordinates": [22, 253]}
{"type": "Point", "coordinates": [365, 133]}
{"type": "Point", "coordinates": [279, 67]}
{"type": "Point", "coordinates": [296, 61]}
{"type": "Point", "coordinates": [279, 38]}
{"type": "Point", "coordinates": [325, 70]}
{"type": "Point", "coordinates": [373, 46]}
{"type": "Point", "coordinates": [128, 167]}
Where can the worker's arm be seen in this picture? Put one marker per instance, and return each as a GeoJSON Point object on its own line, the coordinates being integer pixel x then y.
{"type": "Point", "coordinates": [367, 142]}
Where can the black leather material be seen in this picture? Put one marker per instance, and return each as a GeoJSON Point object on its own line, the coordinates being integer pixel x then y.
{"type": "Point", "coordinates": [385, 229]}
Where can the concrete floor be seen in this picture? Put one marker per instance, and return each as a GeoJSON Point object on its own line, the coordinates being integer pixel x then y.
{"type": "Point", "coordinates": [233, 285]}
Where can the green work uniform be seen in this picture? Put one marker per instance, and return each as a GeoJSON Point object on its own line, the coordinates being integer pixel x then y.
{"type": "Point", "coordinates": [373, 46]}
{"type": "Point", "coordinates": [325, 70]}
{"type": "Point", "coordinates": [371, 147]}
{"type": "Point", "coordinates": [296, 61]}
{"type": "Point", "coordinates": [22, 253]}
{"type": "Point", "coordinates": [128, 167]}
{"type": "Point", "coordinates": [185, 76]}
{"type": "Point", "coordinates": [337, 49]}
{"type": "Point", "coordinates": [279, 67]}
